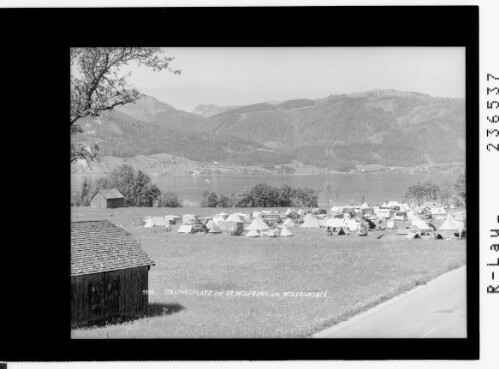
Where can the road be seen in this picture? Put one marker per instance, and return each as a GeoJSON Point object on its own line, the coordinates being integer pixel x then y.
{"type": "Point", "coordinates": [436, 310]}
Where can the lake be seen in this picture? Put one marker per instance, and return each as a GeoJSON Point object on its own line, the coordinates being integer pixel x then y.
{"type": "Point", "coordinates": [376, 188]}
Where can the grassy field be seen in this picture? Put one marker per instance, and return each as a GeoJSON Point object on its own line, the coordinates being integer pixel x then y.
{"type": "Point", "coordinates": [354, 273]}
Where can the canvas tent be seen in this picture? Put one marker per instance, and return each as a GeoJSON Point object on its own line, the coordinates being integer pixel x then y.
{"type": "Point", "coordinates": [405, 207]}
{"type": "Point", "coordinates": [172, 219]}
{"type": "Point", "coordinates": [411, 216]}
{"type": "Point", "coordinates": [310, 221]}
{"type": "Point", "coordinates": [156, 222]}
{"type": "Point", "coordinates": [336, 209]}
{"type": "Point", "coordinates": [438, 211]}
{"type": "Point", "coordinates": [343, 231]}
{"type": "Point", "coordinates": [391, 224]}
{"type": "Point", "coordinates": [335, 222]}
{"type": "Point", "coordinates": [189, 219]}
{"type": "Point", "coordinates": [452, 224]}
{"type": "Point", "coordinates": [421, 225]}
{"type": "Point", "coordinates": [234, 227]}
{"type": "Point", "coordinates": [218, 219]}
{"type": "Point", "coordinates": [210, 224]}
{"type": "Point", "coordinates": [412, 235]}
{"type": "Point", "coordinates": [253, 233]}
{"type": "Point", "coordinates": [258, 225]}
{"type": "Point", "coordinates": [285, 232]}
{"type": "Point", "coordinates": [234, 218]}
{"type": "Point", "coordinates": [289, 223]}
{"type": "Point", "coordinates": [441, 236]}
{"type": "Point", "coordinates": [184, 228]}
{"type": "Point", "coordinates": [215, 229]}
{"type": "Point", "coordinates": [352, 224]}
{"type": "Point", "coordinates": [244, 217]}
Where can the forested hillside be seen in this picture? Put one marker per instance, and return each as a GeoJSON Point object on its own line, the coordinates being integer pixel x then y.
{"type": "Point", "coordinates": [377, 127]}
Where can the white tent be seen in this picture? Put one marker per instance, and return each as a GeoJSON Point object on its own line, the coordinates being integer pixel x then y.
{"type": "Point", "coordinates": [412, 235]}
{"type": "Point", "coordinates": [337, 209]}
{"type": "Point", "coordinates": [215, 229]}
{"type": "Point", "coordinates": [156, 222]}
{"type": "Point", "coordinates": [310, 221]}
{"type": "Point", "coordinates": [189, 219]}
{"type": "Point", "coordinates": [438, 211]}
{"type": "Point", "coordinates": [256, 214]}
{"type": "Point", "coordinates": [258, 225]}
{"type": "Point", "coordinates": [411, 216]}
{"type": "Point", "coordinates": [451, 224]}
{"type": "Point", "coordinates": [234, 218]}
{"type": "Point", "coordinates": [222, 215]}
{"type": "Point", "coordinates": [289, 223]}
{"type": "Point", "coordinates": [218, 219]}
{"type": "Point", "coordinates": [244, 216]}
{"type": "Point", "coordinates": [421, 224]}
{"type": "Point", "coordinates": [391, 224]}
{"type": "Point", "coordinates": [285, 232]}
{"type": "Point", "coordinates": [335, 222]}
{"type": "Point", "coordinates": [172, 218]}
{"type": "Point", "coordinates": [364, 205]}
{"type": "Point", "coordinates": [211, 224]}
{"type": "Point", "coordinates": [352, 224]}
{"type": "Point", "coordinates": [252, 233]}
{"type": "Point", "coordinates": [184, 228]}
{"type": "Point", "coordinates": [343, 231]}
{"type": "Point", "coordinates": [321, 221]}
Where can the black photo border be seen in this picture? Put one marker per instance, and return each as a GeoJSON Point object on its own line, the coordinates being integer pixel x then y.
{"type": "Point", "coordinates": [39, 327]}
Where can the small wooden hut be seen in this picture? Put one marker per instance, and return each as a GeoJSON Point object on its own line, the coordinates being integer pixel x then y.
{"type": "Point", "coordinates": [108, 199]}
{"type": "Point", "coordinates": [109, 272]}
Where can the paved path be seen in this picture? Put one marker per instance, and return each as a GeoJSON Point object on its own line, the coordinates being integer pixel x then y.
{"type": "Point", "coordinates": [437, 310]}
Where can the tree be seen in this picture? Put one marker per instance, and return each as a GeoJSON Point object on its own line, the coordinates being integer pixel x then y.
{"type": "Point", "coordinates": [445, 192]}
{"type": "Point", "coordinates": [210, 200]}
{"type": "Point", "coordinates": [460, 188]}
{"type": "Point", "coordinates": [169, 200]}
{"type": "Point", "coordinates": [123, 178]}
{"type": "Point", "coordinates": [97, 86]}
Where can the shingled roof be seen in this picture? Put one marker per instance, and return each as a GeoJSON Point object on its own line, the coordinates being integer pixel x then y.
{"type": "Point", "coordinates": [101, 246]}
{"type": "Point", "coordinates": [112, 193]}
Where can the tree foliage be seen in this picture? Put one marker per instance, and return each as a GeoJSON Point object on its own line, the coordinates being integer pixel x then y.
{"type": "Point", "coordinates": [98, 86]}
{"type": "Point", "coordinates": [169, 200]}
{"type": "Point", "coordinates": [460, 188]}
{"type": "Point", "coordinates": [135, 186]}
{"type": "Point", "coordinates": [263, 195]}
{"type": "Point", "coordinates": [429, 191]}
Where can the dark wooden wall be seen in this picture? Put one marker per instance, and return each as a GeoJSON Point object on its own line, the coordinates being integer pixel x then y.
{"type": "Point", "coordinates": [115, 203]}
{"type": "Point", "coordinates": [104, 295]}
{"type": "Point", "coordinates": [99, 201]}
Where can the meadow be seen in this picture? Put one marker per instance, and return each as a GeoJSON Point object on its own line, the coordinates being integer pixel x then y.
{"type": "Point", "coordinates": [348, 274]}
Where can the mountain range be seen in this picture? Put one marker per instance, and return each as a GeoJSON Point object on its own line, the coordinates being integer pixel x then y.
{"type": "Point", "coordinates": [388, 127]}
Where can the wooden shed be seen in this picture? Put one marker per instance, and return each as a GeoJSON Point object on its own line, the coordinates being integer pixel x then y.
{"type": "Point", "coordinates": [108, 199]}
{"type": "Point", "coordinates": [109, 272]}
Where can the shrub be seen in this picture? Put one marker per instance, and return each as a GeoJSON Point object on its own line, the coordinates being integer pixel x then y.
{"type": "Point", "coordinates": [169, 200]}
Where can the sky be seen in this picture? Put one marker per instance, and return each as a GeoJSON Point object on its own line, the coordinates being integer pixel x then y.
{"type": "Point", "coordinates": [242, 76]}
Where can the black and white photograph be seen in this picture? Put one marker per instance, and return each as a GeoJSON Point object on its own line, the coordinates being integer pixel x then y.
{"type": "Point", "coordinates": [250, 184]}
{"type": "Point", "coordinates": [268, 192]}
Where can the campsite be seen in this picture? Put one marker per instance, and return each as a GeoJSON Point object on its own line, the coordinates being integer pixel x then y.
{"type": "Point", "coordinates": [214, 284]}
